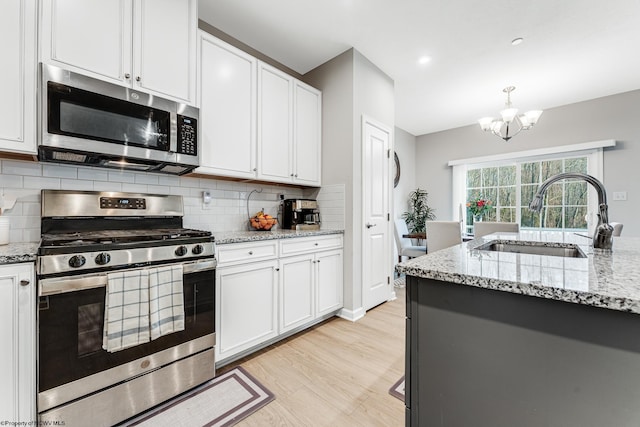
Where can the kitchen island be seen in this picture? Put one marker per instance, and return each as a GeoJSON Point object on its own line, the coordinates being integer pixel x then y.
{"type": "Point", "coordinates": [506, 339]}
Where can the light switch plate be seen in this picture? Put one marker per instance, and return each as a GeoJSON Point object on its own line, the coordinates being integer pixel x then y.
{"type": "Point", "coordinates": [619, 195]}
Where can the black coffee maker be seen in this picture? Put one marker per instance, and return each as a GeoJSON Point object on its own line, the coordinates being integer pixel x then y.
{"type": "Point", "coordinates": [300, 214]}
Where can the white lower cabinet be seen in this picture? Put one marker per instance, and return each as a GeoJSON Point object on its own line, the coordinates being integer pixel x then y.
{"type": "Point", "coordinates": [270, 289]}
{"type": "Point", "coordinates": [18, 335]}
{"type": "Point", "coordinates": [296, 291]}
{"type": "Point", "coordinates": [246, 313]}
{"type": "Point", "coordinates": [329, 281]}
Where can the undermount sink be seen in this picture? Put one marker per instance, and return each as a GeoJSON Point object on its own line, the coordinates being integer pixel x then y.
{"type": "Point", "coordinates": [534, 248]}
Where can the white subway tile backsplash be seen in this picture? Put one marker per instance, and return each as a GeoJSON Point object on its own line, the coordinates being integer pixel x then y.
{"type": "Point", "coordinates": [189, 182]}
{"type": "Point", "coordinates": [146, 178]}
{"type": "Point", "coordinates": [108, 186]}
{"type": "Point", "coordinates": [169, 180]}
{"type": "Point", "coordinates": [59, 171]}
{"type": "Point", "coordinates": [226, 212]}
{"type": "Point", "coordinates": [38, 182]}
{"type": "Point", "coordinates": [93, 174]}
{"type": "Point", "coordinates": [11, 181]}
{"type": "Point", "coordinates": [76, 184]}
{"type": "Point", "coordinates": [11, 167]}
{"type": "Point", "coordinates": [157, 189]}
{"type": "Point", "coordinates": [121, 176]}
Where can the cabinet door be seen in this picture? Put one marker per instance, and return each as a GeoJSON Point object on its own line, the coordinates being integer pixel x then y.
{"type": "Point", "coordinates": [307, 134]}
{"type": "Point", "coordinates": [17, 333]}
{"type": "Point", "coordinates": [18, 74]}
{"type": "Point", "coordinates": [275, 115]}
{"type": "Point", "coordinates": [296, 291]}
{"type": "Point", "coordinates": [329, 281]}
{"type": "Point", "coordinates": [246, 307]}
{"type": "Point", "coordinates": [164, 47]}
{"type": "Point", "coordinates": [92, 37]}
{"type": "Point", "coordinates": [227, 87]}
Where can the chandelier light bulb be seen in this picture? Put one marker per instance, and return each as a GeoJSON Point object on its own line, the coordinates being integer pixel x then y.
{"type": "Point", "coordinates": [510, 123]}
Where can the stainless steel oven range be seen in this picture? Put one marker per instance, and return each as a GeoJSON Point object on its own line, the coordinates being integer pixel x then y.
{"type": "Point", "coordinates": [108, 259]}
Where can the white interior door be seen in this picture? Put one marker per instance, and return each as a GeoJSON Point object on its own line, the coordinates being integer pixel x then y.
{"type": "Point", "coordinates": [376, 213]}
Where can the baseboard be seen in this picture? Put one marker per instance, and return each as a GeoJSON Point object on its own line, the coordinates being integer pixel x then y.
{"type": "Point", "coordinates": [352, 315]}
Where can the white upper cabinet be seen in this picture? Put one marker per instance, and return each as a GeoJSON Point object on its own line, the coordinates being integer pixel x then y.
{"type": "Point", "coordinates": [18, 74]}
{"type": "Point", "coordinates": [275, 120]}
{"type": "Point", "coordinates": [227, 81]}
{"type": "Point", "coordinates": [289, 128]}
{"type": "Point", "coordinates": [143, 44]}
{"type": "Point", "coordinates": [307, 131]}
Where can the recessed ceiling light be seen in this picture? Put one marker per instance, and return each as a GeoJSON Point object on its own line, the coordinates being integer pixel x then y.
{"type": "Point", "coordinates": [423, 60]}
{"type": "Point", "coordinates": [517, 41]}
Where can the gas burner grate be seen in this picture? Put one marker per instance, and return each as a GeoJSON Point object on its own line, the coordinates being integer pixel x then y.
{"type": "Point", "coordinates": [107, 237]}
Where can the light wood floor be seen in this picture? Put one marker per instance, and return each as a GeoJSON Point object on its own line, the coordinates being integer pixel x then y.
{"type": "Point", "coordinates": [335, 374]}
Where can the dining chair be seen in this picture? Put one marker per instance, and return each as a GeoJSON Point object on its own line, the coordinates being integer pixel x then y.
{"type": "Point", "coordinates": [487, 227]}
{"type": "Point", "coordinates": [442, 234]}
{"type": "Point", "coordinates": [617, 228]}
{"type": "Point", "coordinates": [405, 245]}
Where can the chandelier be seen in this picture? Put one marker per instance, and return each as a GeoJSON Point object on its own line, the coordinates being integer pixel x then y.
{"type": "Point", "coordinates": [510, 123]}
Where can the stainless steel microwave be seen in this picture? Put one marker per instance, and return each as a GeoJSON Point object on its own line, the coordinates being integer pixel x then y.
{"type": "Point", "coordinates": [87, 121]}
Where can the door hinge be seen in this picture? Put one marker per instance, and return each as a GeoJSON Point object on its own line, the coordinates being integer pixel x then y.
{"type": "Point", "coordinates": [388, 280]}
{"type": "Point", "coordinates": [388, 217]}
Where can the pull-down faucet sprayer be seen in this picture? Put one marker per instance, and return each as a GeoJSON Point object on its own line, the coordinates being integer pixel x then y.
{"type": "Point", "coordinates": [603, 235]}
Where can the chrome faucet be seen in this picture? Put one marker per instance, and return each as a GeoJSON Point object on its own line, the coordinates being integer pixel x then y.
{"type": "Point", "coordinates": [603, 235]}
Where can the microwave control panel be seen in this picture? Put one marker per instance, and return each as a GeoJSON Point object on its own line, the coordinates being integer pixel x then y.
{"type": "Point", "coordinates": [187, 135]}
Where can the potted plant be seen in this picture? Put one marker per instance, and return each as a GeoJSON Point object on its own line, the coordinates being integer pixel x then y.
{"type": "Point", "coordinates": [419, 211]}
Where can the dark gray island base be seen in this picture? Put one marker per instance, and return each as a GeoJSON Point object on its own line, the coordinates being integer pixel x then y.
{"type": "Point", "coordinates": [485, 358]}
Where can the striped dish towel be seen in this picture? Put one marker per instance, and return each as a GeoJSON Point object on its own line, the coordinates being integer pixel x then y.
{"type": "Point", "coordinates": [126, 313]}
{"type": "Point", "coordinates": [166, 300]}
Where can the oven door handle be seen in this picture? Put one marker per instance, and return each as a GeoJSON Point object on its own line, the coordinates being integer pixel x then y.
{"type": "Point", "coordinates": [59, 285]}
{"type": "Point", "coordinates": [198, 266]}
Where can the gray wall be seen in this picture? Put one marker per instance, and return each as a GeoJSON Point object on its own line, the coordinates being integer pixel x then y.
{"type": "Point", "coordinates": [351, 86]}
{"type": "Point", "coordinates": [405, 147]}
{"type": "Point", "coordinates": [612, 117]}
{"type": "Point", "coordinates": [335, 79]}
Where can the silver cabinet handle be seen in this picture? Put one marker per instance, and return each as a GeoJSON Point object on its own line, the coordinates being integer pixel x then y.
{"type": "Point", "coordinates": [250, 252]}
{"type": "Point", "coordinates": [370, 225]}
{"type": "Point", "coordinates": [127, 76]}
{"type": "Point", "coordinates": [138, 79]}
{"type": "Point", "coordinates": [24, 282]}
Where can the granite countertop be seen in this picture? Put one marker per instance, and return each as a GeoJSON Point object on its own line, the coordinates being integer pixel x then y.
{"type": "Point", "coordinates": [607, 279]}
{"type": "Point", "coordinates": [253, 236]}
{"type": "Point", "coordinates": [18, 252]}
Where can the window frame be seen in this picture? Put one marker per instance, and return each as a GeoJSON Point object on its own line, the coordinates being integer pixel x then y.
{"type": "Point", "coordinates": [592, 150]}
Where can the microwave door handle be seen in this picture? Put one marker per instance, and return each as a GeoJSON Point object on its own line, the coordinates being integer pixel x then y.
{"type": "Point", "coordinates": [173, 133]}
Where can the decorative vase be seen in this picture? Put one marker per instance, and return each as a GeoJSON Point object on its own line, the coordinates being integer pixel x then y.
{"type": "Point", "coordinates": [477, 218]}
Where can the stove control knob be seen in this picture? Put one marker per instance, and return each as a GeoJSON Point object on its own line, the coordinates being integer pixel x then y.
{"type": "Point", "coordinates": [77, 261]}
{"type": "Point", "coordinates": [181, 251]}
{"type": "Point", "coordinates": [103, 258]}
{"type": "Point", "coordinates": [197, 249]}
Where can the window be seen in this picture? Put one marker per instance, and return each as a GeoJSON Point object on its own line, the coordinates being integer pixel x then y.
{"type": "Point", "coordinates": [511, 187]}
{"type": "Point", "coordinates": [510, 181]}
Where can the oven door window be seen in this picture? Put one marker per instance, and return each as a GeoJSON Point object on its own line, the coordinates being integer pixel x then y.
{"type": "Point", "coordinates": [82, 114]}
{"type": "Point", "coordinates": [71, 328]}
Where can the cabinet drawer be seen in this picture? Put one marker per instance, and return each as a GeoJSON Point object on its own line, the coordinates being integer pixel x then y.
{"type": "Point", "coordinates": [310, 244]}
{"type": "Point", "coordinates": [237, 253]}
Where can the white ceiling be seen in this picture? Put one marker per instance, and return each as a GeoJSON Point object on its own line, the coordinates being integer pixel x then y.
{"type": "Point", "coordinates": [573, 50]}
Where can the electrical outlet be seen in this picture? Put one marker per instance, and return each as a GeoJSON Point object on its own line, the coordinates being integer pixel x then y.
{"type": "Point", "coordinates": [620, 195]}
{"type": "Point", "coordinates": [242, 195]}
{"type": "Point", "coordinates": [280, 196]}
{"type": "Point", "coordinates": [206, 200]}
